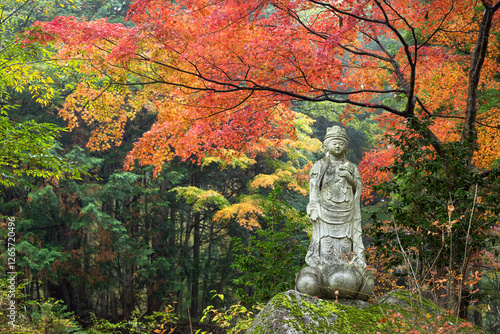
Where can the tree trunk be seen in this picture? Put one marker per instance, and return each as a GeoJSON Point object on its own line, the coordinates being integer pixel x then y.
{"type": "Point", "coordinates": [207, 279]}
{"type": "Point", "coordinates": [128, 295]}
{"type": "Point", "coordinates": [178, 305]}
{"type": "Point", "coordinates": [223, 278]}
{"type": "Point", "coordinates": [469, 136]}
{"type": "Point", "coordinates": [196, 271]}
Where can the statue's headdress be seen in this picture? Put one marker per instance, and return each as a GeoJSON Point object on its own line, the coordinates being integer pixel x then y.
{"type": "Point", "coordinates": [336, 132]}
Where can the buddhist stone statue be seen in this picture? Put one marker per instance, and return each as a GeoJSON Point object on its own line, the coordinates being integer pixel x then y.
{"type": "Point", "coordinates": [335, 261]}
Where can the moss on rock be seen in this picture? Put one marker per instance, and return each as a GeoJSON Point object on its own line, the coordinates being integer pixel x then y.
{"type": "Point", "coordinates": [292, 312]}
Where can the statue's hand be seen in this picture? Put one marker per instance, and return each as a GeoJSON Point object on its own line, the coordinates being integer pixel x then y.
{"type": "Point", "coordinates": [347, 174]}
{"type": "Point", "coordinates": [314, 215]}
{"type": "Point", "coordinates": [344, 173]}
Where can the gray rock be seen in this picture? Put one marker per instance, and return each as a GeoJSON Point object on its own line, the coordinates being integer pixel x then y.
{"type": "Point", "coordinates": [293, 312]}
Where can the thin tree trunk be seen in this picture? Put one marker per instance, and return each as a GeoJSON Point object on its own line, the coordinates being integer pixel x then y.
{"type": "Point", "coordinates": [223, 278]}
{"type": "Point", "coordinates": [196, 271]}
{"type": "Point", "coordinates": [128, 295]}
{"type": "Point", "coordinates": [178, 305]}
{"type": "Point", "coordinates": [207, 270]}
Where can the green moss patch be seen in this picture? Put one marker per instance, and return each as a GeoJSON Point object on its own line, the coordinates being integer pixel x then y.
{"type": "Point", "coordinates": [398, 312]}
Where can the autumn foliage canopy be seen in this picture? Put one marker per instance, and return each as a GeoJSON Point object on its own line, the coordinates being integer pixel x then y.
{"type": "Point", "coordinates": [221, 75]}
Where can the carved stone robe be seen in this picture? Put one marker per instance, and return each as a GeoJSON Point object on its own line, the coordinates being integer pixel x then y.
{"type": "Point", "coordinates": [337, 231]}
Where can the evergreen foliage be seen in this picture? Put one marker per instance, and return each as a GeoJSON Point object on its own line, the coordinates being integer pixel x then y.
{"type": "Point", "coordinates": [268, 260]}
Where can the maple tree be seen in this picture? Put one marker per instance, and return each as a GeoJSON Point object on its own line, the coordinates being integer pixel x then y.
{"type": "Point", "coordinates": [218, 72]}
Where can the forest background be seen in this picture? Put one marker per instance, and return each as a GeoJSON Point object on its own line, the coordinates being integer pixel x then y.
{"type": "Point", "coordinates": [156, 161]}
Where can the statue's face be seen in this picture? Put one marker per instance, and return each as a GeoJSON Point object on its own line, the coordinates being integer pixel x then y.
{"type": "Point", "coordinates": [337, 147]}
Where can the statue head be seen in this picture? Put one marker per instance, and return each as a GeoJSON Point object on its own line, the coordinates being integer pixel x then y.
{"type": "Point", "coordinates": [334, 135]}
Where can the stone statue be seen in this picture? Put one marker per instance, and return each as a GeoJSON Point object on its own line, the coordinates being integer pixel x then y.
{"type": "Point", "coordinates": [335, 261]}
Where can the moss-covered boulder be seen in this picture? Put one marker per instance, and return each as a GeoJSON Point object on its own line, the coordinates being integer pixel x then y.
{"type": "Point", "coordinates": [292, 312]}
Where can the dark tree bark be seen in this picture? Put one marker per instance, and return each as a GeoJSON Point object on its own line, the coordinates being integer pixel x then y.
{"type": "Point", "coordinates": [469, 135]}
{"type": "Point", "coordinates": [195, 281]}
